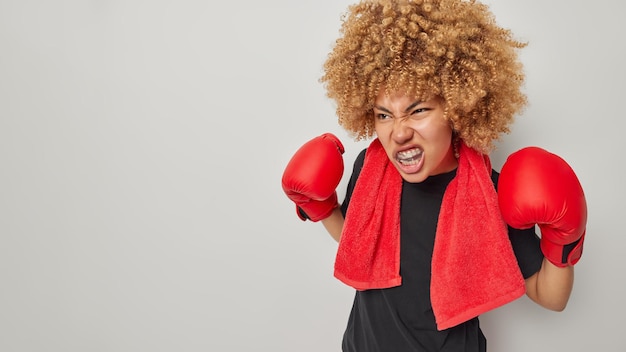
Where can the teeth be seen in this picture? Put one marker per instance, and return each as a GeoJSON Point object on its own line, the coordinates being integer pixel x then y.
{"type": "Point", "coordinates": [409, 157]}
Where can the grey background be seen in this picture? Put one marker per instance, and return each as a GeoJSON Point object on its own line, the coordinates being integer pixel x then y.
{"type": "Point", "coordinates": [141, 149]}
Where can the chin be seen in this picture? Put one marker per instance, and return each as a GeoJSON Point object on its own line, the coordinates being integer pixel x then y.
{"type": "Point", "coordinates": [414, 178]}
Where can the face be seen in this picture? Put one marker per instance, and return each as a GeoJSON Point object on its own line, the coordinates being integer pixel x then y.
{"type": "Point", "coordinates": [415, 135]}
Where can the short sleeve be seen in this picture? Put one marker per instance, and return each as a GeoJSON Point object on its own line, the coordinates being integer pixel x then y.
{"type": "Point", "coordinates": [525, 244]}
{"type": "Point", "coordinates": [527, 251]}
{"type": "Point", "coordinates": [356, 170]}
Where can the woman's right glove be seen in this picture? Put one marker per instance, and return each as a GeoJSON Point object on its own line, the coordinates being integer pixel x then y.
{"type": "Point", "coordinates": [312, 176]}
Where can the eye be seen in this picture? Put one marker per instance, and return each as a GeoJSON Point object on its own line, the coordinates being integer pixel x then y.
{"type": "Point", "coordinates": [382, 116]}
{"type": "Point", "coordinates": [419, 113]}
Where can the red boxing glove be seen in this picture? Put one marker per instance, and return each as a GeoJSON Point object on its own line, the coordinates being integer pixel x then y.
{"type": "Point", "coordinates": [538, 187]}
{"type": "Point", "coordinates": [312, 175]}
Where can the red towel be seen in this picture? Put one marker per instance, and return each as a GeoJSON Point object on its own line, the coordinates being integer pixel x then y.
{"type": "Point", "coordinates": [473, 267]}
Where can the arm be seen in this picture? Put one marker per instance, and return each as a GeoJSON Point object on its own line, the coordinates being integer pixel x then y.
{"type": "Point", "coordinates": [551, 286]}
{"type": "Point", "coordinates": [537, 187]}
{"type": "Point", "coordinates": [334, 224]}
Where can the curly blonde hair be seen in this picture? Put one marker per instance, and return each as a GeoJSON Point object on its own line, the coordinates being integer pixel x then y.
{"type": "Point", "coordinates": [447, 48]}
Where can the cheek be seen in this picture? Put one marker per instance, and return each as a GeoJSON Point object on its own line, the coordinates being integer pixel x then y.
{"type": "Point", "coordinates": [444, 134]}
{"type": "Point", "coordinates": [441, 129]}
{"type": "Point", "coordinates": [433, 131]}
{"type": "Point", "coordinates": [381, 130]}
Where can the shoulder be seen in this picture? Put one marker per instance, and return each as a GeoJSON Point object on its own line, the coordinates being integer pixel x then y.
{"type": "Point", "coordinates": [494, 178]}
{"type": "Point", "coordinates": [358, 162]}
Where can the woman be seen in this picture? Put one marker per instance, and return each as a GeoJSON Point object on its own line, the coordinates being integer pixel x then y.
{"type": "Point", "coordinates": [421, 236]}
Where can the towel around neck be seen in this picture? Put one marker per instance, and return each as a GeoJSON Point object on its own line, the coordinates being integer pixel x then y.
{"type": "Point", "coordinates": [473, 266]}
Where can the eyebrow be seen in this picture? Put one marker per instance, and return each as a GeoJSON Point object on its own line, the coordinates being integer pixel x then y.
{"type": "Point", "coordinates": [410, 107]}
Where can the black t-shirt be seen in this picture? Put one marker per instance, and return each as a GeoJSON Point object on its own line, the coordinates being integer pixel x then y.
{"type": "Point", "coordinates": [400, 319]}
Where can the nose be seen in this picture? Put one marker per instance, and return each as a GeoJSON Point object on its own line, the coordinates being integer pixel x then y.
{"type": "Point", "coordinates": [401, 131]}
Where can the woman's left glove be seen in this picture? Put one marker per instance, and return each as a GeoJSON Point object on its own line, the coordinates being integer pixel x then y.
{"type": "Point", "coordinates": [538, 187]}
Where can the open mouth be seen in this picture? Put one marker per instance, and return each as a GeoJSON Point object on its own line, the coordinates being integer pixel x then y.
{"type": "Point", "coordinates": [409, 157]}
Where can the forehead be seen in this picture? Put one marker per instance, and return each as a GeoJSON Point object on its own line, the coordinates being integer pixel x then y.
{"type": "Point", "coordinates": [393, 98]}
{"type": "Point", "coordinates": [393, 92]}
{"type": "Point", "coordinates": [401, 97]}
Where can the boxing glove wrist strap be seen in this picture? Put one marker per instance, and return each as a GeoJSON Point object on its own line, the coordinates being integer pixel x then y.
{"type": "Point", "coordinates": [563, 255]}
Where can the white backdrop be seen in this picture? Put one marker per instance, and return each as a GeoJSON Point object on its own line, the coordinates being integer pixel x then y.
{"type": "Point", "coordinates": [141, 149]}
